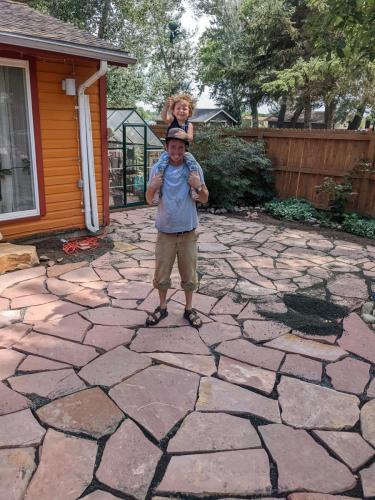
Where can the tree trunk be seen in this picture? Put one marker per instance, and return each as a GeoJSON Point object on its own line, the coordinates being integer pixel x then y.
{"type": "Point", "coordinates": [104, 19]}
{"type": "Point", "coordinates": [281, 116]}
{"type": "Point", "coordinates": [329, 110]}
{"type": "Point", "coordinates": [296, 115]}
{"type": "Point", "coordinates": [307, 113]}
{"type": "Point", "coordinates": [254, 113]}
{"type": "Point", "coordinates": [356, 122]}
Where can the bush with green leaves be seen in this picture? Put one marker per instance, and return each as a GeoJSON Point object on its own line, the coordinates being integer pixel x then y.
{"type": "Point", "coordinates": [237, 173]}
{"type": "Point", "coordinates": [291, 209]}
{"type": "Point", "coordinates": [362, 226]}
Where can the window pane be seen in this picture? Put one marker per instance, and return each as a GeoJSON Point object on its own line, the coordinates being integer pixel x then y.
{"type": "Point", "coordinates": [16, 163]}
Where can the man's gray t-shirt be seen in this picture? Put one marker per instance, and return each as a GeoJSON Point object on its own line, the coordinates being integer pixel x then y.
{"type": "Point", "coordinates": [177, 211]}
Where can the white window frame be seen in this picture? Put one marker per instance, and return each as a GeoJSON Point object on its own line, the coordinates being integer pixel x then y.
{"type": "Point", "coordinates": [35, 211]}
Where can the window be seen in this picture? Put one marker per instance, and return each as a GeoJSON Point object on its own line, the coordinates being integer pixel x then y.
{"type": "Point", "coordinates": [18, 179]}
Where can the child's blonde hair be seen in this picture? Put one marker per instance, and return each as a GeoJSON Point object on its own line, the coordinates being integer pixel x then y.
{"type": "Point", "coordinates": [184, 97]}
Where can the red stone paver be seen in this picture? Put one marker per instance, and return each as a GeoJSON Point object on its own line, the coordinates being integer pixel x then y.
{"type": "Point", "coordinates": [108, 337]}
{"type": "Point", "coordinates": [224, 318]}
{"type": "Point", "coordinates": [245, 351]}
{"type": "Point", "coordinates": [16, 468]}
{"type": "Point", "coordinates": [259, 331]}
{"type": "Point", "coordinates": [32, 300]}
{"type": "Point", "coordinates": [71, 327]}
{"type": "Point", "coordinates": [368, 422]}
{"type": "Point", "coordinates": [303, 367]}
{"type": "Point", "coordinates": [14, 277]}
{"type": "Point", "coordinates": [9, 361]}
{"type": "Point", "coordinates": [113, 316]}
{"type": "Point", "coordinates": [89, 298]}
{"type": "Point", "coordinates": [309, 348]}
{"type": "Point", "coordinates": [349, 375]}
{"type": "Point", "coordinates": [11, 401]}
{"type": "Point", "coordinates": [60, 269]}
{"type": "Point", "coordinates": [358, 338]}
{"type": "Point", "coordinates": [20, 429]}
{"type": "Point", "coordinates": [37, 364]}
{"type": "Point", "coordinates": [213, 333]}
{"type": "Point", "coordinates": [81, 275]}
{"type": "Point", "coordinates": [108, 273]}
{"type": "Point", "coordinates": [243, 374]}
{"type": "Point", "coordinates": [26, 288]}
{"type": "Point", "coordinates": [60, 287]}
{"type": "Point", "coordinates": [89, 412]}
{"type": "Point", "coordinates": [128, 290]}
{"type": "Point", "coordinates": [50, 312]}
{"type": "Point", "coordinates": [202, 303]}
{"type": "Point", "coordinates": [204, 365]}
{"type": "Point", "coordinates": [368, 481]}
{"type": "Point", "coordinates": [227, 305]}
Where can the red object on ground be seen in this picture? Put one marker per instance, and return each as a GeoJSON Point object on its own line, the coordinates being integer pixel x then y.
{"type": "Point", "coordinates": [74, 246]}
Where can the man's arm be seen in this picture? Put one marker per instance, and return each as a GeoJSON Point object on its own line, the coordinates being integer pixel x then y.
{"type": "Point", "coordinates": [203, 194]}
{"type": "Point", "coordinates": [196, 183]}
{"type": "Point", "coordinates": [154, 185]}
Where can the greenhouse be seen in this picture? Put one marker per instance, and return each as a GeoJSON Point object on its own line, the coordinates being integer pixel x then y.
{"type": "Point", "coordinates": [132, 149]}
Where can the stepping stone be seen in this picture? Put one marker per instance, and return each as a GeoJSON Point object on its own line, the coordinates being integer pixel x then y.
{"type": "Point", "coordinates": [70, 477]}
{"type": "Point", "coordinates": [213, 333]}
{"type": "Point", "coordinates": [212, 247]}
{"type": "Point", "coordinates": [227, 305]}
{"type": "Point", "coordinates": [250, 376]}
{"type": "Point", "coordinates": [303, 367]}
{"type": "Point", "coordinates": [348, 285]}
{"type": "Point", "coordinates": [347, 446]}
{"type": "Point", "coordinates": [71, 327]}
{"type": "Point", "coordinates": [157, 398]}
{"type": "Point", "coordinates": [259, 331]}
{"type": "Point", "coordinates": [51, 384]}
{"type": "Point", "coordinates": [279, 274]}
{"type": "Point", "coordinates": [250, 312]}
{"type": "Point", "coordinates": [245, 351]}
{"type": "Point", "coordinates": [126, 304]}
{"type": "Point", "coordinates": [114, 367]}
{"type": "Point", "coordinates": [224, 318]}
{"type": "Point", "coordinates": [245, 287]}
{"type": "Point", "coordinates": [302, 464]}
{"type": "Point", "coordinates": [144, 275]}
{"type": "Point", "coordinates": [13, 334]}
{"type": "Point", "coordinates": [245, 472]}
{"type": "Point", "coordinates": [89, 298]}
{"type": "Point", "coordinates": [202, 303]}
{"type": "Point", "coordinates": [368, 481]}
{"type": "Point", "coordinates": [32, 300]}
{"type": "Point", "coordinates": [129, 450]}
{"type": "Point", "coordinates": [11, 401]}
{"type": "Point", "coordinates": [95, 285]}
{"type": "Point", "coordinates": [358, 338]}
{"type": "Point", "coordinates": [368, 422]}
{"type": "Point", "coordinates": [20, 429]}
{"type": "Point", "coordinates": [60, 269]}
{"type": "Point", "coordinates": [315, 496]}
{"type": "Point", "coordinates": [151, 302]}
{"type": "Point", "coordinates": [108, 337]}
{"type": "Point", "coordinates": [50, 312]}
{"type": "Point", "coordinates": [36, 364]}
{"type": "Point", "coordinates": [9, 317]}
{"type": "Point", "coordinates": [218, 396]}
{"type": "Point", "coordinates": [204, 365]}
{"type": "Point", "coordinates": [127, 290]}
{"type": "Point", "coordinates": [57, 349]}
{"type": "Point", "coordinates": [113, 316]}
{"type": "Point", "coordinates": [81, 275]}
{"type": "Point", "coordinates": [204, 432]}
{"type": "Point", "coordinates": [314, 407]}
{"type": "Point", "coordinates": [9, 360]}
{"type": "Point", "coordinates": [9, 279]}
{"type": "Point", "coordinates": [371, 389]}
{"type": "Point", "coordinates": [183, 340]}
{"type": "Point", "coordinates": [310, 348]}
{"type": "Point", "coordinates": [99, 495]}
{"type": "Point", "coordinates": [216, 287]}
{"type": "Point", "coordinates": [89, 412]}
{"type": "Point", "coordinates": [60, 287]}
{"type": "Point", "coordinates": [16, 468]}
{"type": "Point", "coordinates": [28, 287]}
{"type": "Point", "coordinates": [108, 274]}
{"type": "Point", "coordinates": [349, 375]}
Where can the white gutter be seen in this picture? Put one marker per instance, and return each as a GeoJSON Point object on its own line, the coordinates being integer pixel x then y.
{"type": "Point", "coordinates": [87, 152]}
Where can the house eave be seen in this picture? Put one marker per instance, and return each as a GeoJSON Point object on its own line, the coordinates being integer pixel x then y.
{"type": "Point", "coordinates": [112, 56]}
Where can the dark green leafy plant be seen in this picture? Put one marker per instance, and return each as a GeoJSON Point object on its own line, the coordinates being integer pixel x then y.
{"type": "Point", "coordinates": [237, 173]}
{"type": "Point", "coordinates": [339, 194]}
{"type": "Point", "coordinates": [355, 224]}
{"type": "Point", "coordinates": [291, 209]}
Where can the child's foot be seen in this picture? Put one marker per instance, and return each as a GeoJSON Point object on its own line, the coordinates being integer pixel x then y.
{"type": "Point", "coordinates": [156, 198]}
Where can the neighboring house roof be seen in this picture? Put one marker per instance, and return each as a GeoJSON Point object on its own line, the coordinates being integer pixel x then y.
{"type": "Point", "coordinates": [201, 115]}
{"type": "Point", "coordinates": [316, 117]}
{"type": "Point", "coordinates": [26, 27]}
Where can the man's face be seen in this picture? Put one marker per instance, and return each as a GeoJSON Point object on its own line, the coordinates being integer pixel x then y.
{"type": "Point", "coordinates": [176, 150]}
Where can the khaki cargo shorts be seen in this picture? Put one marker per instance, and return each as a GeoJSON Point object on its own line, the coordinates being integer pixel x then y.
{"type": "Point", "coordinates": [184, 247]}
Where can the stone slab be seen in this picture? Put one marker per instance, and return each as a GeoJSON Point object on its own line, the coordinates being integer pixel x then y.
{"type": "Point", "coordinates": [27, 287]}
{"type": "Point", "coordinates": [349, 375]}
{"type": "Point", "coordinates": [57, 349]}
{"type": "Point", "coordinates": [50, 312]}
{"type": "Point", "coordinates": [311, 406]}
{"type": "Point", "coordinates": [129, 450]}
{"type": "Point", "coordinates": [358, 338]}
{"type": "Point", "coordinates": [240, 373]}
{"type": "Point", "coordinates": [70, 477]}
{"type": "Point", "coordinates": [348, 285]}
{"type": "Point", "coordinates": [113, 316]}
{"type": "Point", "coordinates": [11, 401]}
{"type": "Point", "coordinates": [16, 468]}
{"type": "Point", "coordinates": [227, 305]}
{"type": "Point", "coordinates": [309, 348]}
{"type": "Point", "coordinates": [368, 481]}
{"type": "Point", "coordinates": [9, 317]}
{"type": "Point", "coordinates": [14, 257]}
{"type": "Point", "coordinates": [204, 365]}
{"type": "Point", "coordinates": [108, 337]}
{"type": "Point", "coordinates": [71, 327]}
{"type": "Point", "coordinates": [60, 269]}
{"type": "Point", "coordinates": [99, 495]}
{"type": "Point", "coordinates": [60, 287]}
{"type": "Point", "coordinates": [9, 361]}
{"type": "Point", "coordinates": [244, 472]}
{"type": "Point", "coordinates": [37, 364]}
{"type": "Point", "coordinates": [80, 275]}
{"type": "Point", "coordinates": [20, 429]}
{"type": "Point", "coordinates": [114, 367]}
{"type": "Point", "coordinates": [302, 464]}
{"type": "Point", "coordinates": [32, 300]}
{"type": "Point", "coordinates": [368, 422]}
{"type": "Point", "coordinates": [127, 290]}
{"type": "Point", "coordinates": [213, 333]}
{"type": "Point", "coordinates": [182, 340]}
{"type": "Point", "coordinates": [157, 398]}
{"type": "Point", "coordinates": [303, 367]}
{"type": "Point", "coordinates": [371, 389]}
{"type": "Point", "coordinates": [51, 384]}
{"type": "Point", "coordinates": [89, 412]}
{"type": "Point", "coordinates": [260, 331]}
{"type": "Point", "coordinates": [13, 334]}
{"type": "Point", "coordinates": [245, 351]}
{"type": "Point", "coordinates": [202, 303]}
{"type": "Point", "coordinates": [10, 279]}
{"type": "Point", "coordinates": [204, 432]}
{"type": "Point", "coordinates": [219, 396]}
{"type": "Point", "coordinates": [89, 298]}
{"type": "Point", "coordinates": [348, 446]}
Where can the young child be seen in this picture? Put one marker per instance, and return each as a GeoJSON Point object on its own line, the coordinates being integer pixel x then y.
{"type": "Point", "coordinates": [176, 112]}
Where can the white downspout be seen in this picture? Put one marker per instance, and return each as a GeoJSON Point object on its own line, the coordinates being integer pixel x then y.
{"type": "Point", "coordinates": [87, 152]}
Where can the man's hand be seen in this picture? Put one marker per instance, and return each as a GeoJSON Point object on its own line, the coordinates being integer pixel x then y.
{"type": "Point", "coordinates": [194, 180]}
{"type": "Point", "coordinates": [156, 182]}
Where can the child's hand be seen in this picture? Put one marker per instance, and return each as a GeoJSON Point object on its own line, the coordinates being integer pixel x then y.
{"type": "Point", "coordinates": [170, 102]}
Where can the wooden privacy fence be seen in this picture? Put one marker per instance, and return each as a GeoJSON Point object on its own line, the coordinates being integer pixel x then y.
{"type": "Point", "coordinates": [303, 158]}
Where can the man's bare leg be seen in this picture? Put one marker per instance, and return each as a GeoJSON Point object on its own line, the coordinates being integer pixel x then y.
{"type": "Point", "coordinates": [163, 297]}
{"type": "Point", "coordinates": [188, 299]}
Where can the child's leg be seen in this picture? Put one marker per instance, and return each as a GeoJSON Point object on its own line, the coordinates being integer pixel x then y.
{"type": "Point", "coordinates": [164, 158]}
{"type": "Point", "coordinates": [192, 166]}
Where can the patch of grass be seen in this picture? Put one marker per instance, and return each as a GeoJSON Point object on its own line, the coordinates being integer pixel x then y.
{"type": "Point", "coordinates": [291, 209]}
{"type": "Point", "coordinates": [362, 226]}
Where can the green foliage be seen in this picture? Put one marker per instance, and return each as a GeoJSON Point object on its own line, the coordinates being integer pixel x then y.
{"type": "Point", "coordinates": [237, 172]}
{"type": "Point", "coordinates": [339, 193]}
{"type": "Point", "coordinates": [291, 209]}
{"type": "Point", "coordinates": [355, 224]}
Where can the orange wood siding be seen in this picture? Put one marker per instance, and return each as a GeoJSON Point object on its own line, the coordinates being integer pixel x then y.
{"type": "Point", "coordinates": [60, 150]}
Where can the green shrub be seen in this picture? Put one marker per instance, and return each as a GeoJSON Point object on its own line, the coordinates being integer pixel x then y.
{"type": "Point", "coordinates": [237, 173]}
{"type": "Point", "coordinates": [361, 226]}
{"type": "Point", "coordinates": [291, 209]}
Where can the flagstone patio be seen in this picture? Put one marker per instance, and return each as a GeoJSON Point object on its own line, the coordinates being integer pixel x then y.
{"type": "Point", "coordinates": [94, 405]}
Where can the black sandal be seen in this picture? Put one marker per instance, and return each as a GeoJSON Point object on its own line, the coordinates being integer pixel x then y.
{"type": "Point", "coordinates": [156, 316]}
{"type": "Point", "coordinates": [192, 316]}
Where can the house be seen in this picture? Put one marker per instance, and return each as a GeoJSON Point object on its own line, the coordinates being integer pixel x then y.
{"type": "Point", "coordinates": [317, 120]}
{"type": "Point", "coordinates": [53, 128]}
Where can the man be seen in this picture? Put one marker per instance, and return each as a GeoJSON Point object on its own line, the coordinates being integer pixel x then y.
{"type": "Point", "coordinates": [176, 221]}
